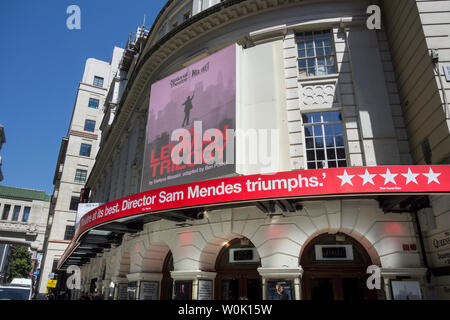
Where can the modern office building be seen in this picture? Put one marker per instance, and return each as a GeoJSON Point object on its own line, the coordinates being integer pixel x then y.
{"type": "Point", "coordinates": [76, 157]}
{"type": "Point", "coordinates": [338, 163]}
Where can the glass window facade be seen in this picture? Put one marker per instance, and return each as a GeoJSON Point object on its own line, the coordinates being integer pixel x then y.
{"type": "Point", "coordinates": [89, 125]}
{"type": "Point", "coordinates": [98, 81]}
{"type": "Point", "coordinates": [69, 233]}
{"type": "Point", "coordinates": [6, 209]}
{"type": "Point", "coordinates": [85, 150]}
{"type": "Point", "coordinates": [94, 103]}
{"type": "Point", "coordinates": [324, 140]}
{"type": "Point", "coordinates": [16, 212]}
{"type": "Point", "coordinates": [26, 214]}
{"type": "Point", "coordinates": [80, 176]}
{"type": "Point", "coordinates": [316, 54]}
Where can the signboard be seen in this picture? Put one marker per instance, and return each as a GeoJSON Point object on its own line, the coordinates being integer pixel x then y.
{"type": "Point", "coordinates": [406, 290]}
{"type": "Point", "coordinates": [280, 290]}
{"type": "Point", "coordinates": [148, 290]}
{"type": "Point", "coordinates": [122, 293]}
{"type": "Point", "coordinates": [205, 290]}
{"type": "Point", "coordinates": [439, 245]}
{"type": "Point", "coordinates": [291, 184]}
{"type": "Point", "coordinates": [193, 100]}
{"type": "Point", "coordinates": [84, 208]}
{"type": "Point", "coordinates": [51, 283]}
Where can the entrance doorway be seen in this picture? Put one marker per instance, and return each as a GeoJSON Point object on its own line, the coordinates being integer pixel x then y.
{"type": "Point", "coordinates": [335, 269]}
{"type": "Point", "coordinates": [237, 274]}
{"type": "Point", "coordinates": [167, 281]}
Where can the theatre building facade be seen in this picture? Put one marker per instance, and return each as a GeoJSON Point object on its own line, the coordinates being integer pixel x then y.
{"type": "Point", "coordinates": [270, 149]}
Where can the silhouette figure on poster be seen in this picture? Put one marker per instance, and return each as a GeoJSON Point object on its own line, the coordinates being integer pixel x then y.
{"type": "Point", "coordinates": [187, 109]}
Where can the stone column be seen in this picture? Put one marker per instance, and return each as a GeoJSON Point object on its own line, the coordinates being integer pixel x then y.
{"type": "Point", "coordinates": [145, 276]}
{"type": "Point", "coordinates": [283, 273]}
{"type": "Point", "coordinates": [117, 281]}
{"type": "Point", "coordinates": [194, 276]}
{"type": "Point", "coordinates": [105, 288]}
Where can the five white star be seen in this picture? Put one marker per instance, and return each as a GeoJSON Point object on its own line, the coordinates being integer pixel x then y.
{"type": "Point", "coordinates": [410, 177]}
{"type": "Point", "coordinates": [368, 178]}
{"type": "Point", "coordinates": [389, 177]}
{"type": "Point", "coordinates": [346, 178]}
{"type": "Point", "coordinates": [432, 176]}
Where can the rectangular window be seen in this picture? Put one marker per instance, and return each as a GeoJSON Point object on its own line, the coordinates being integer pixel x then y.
{"type": "Point", "coordinates": [85, 150]}
{"type": "Point", "coordinates": [69, 233]}
{"type": "Point", "coordinates": [74, 201]}
{"type": "Point", "coordinates": [98, 81]}
{"type": "Point", "coordinates": [93, 103]}
{"type": "Point", "coordinates": [6, 210]}
{"type": "Point", "coordinates": [324, 140]}
{"type": "Point", "coordinates": [26, 214]}
{"type": "Point", "coordinates": [80, 176]}
{"type": "Point", "coordinates": [16, 212]}
{"type": "Point", "coordinates": [89, 125]}
{"type": "Point", "coordinates": [316, 54]}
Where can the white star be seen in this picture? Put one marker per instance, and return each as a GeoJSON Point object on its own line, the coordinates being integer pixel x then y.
{"type": "Point", "coordinates": [346, 178]}
{"type": "Point", "coordinates": [389, 177]}
{"type": "Point", "coordinates": [367, 177]}
{"type": "Point", "coordinates": [410, 177]}
{"type": "Point", "coordinates": [432, 176]}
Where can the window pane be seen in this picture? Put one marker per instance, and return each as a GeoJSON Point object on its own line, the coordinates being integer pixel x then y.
{"type": "Point", "coordinates": [80, 176]}
{"type": "Point", "coordinates": [89, 125]}
{"type": "Point", "coordinates": [331, 70]}
{"type": "Point", "coordinates": [69, 233]}
{"type": "Point", "coordinates": [16, 212]}
{"type": "Point", "coordinates": [316, 117]}
{"type": "Point", "coordinates": [308, 132]}
{"type": "Point", "coordinates": [328, 51]}
{"type": "Point", "coordinates": [317, 131]}
{"type": "Point", "coordinates": [320, 155]}
{"type": "Point", "coordinates": [311, 165]}
{"type": "Point", "coordinates": [310, 155]}
{"type": "Point", "coordinates": [307, 118]}
{"type": "Point", "coordinates": [85, 150]}
{"type": "Point", "coordinates": [302, 64]}
{"type": "Point", "coordinates": [331, 155]}
{"type": "Point", "coordinates": [74, 203]}
{"type": "Point", "coordinates": [339, 141]}
{"type": "Point", "coordinates": [329, 142]}
{"type": "Point", "coordinates": [340, 153]}
{"type": "Point", "coordinates": [301, 53]}
{"type": "Point", "coordinates": [342, 163]}
{"type": "Point", "coordinates": [319, 142]}
{"type": "Point", "coordinates": [331, 164]}
{"type": "Point", "coordinates": [26, 214]}
{"type": "Point", "coordinates": [93, 103]}
{"type": "Point", "coordinates": [337, 128]}
{"type": "Point", "coordinates": [98, 81]}
{"type": "Point", "coordinates": [6, 210]}
{"type": "Point", "coordinates": [309, 143]}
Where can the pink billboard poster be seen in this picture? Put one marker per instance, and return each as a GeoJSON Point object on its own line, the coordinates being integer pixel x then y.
{"type": "Point", "coordinates": [203, 93]}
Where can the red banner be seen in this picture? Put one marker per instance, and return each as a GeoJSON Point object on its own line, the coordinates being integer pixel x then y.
{"type": "Point", "coordinates": [291, 184]}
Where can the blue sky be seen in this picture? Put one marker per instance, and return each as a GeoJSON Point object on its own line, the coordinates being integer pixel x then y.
{"type": "Point", "coordinates": [42, 63]}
